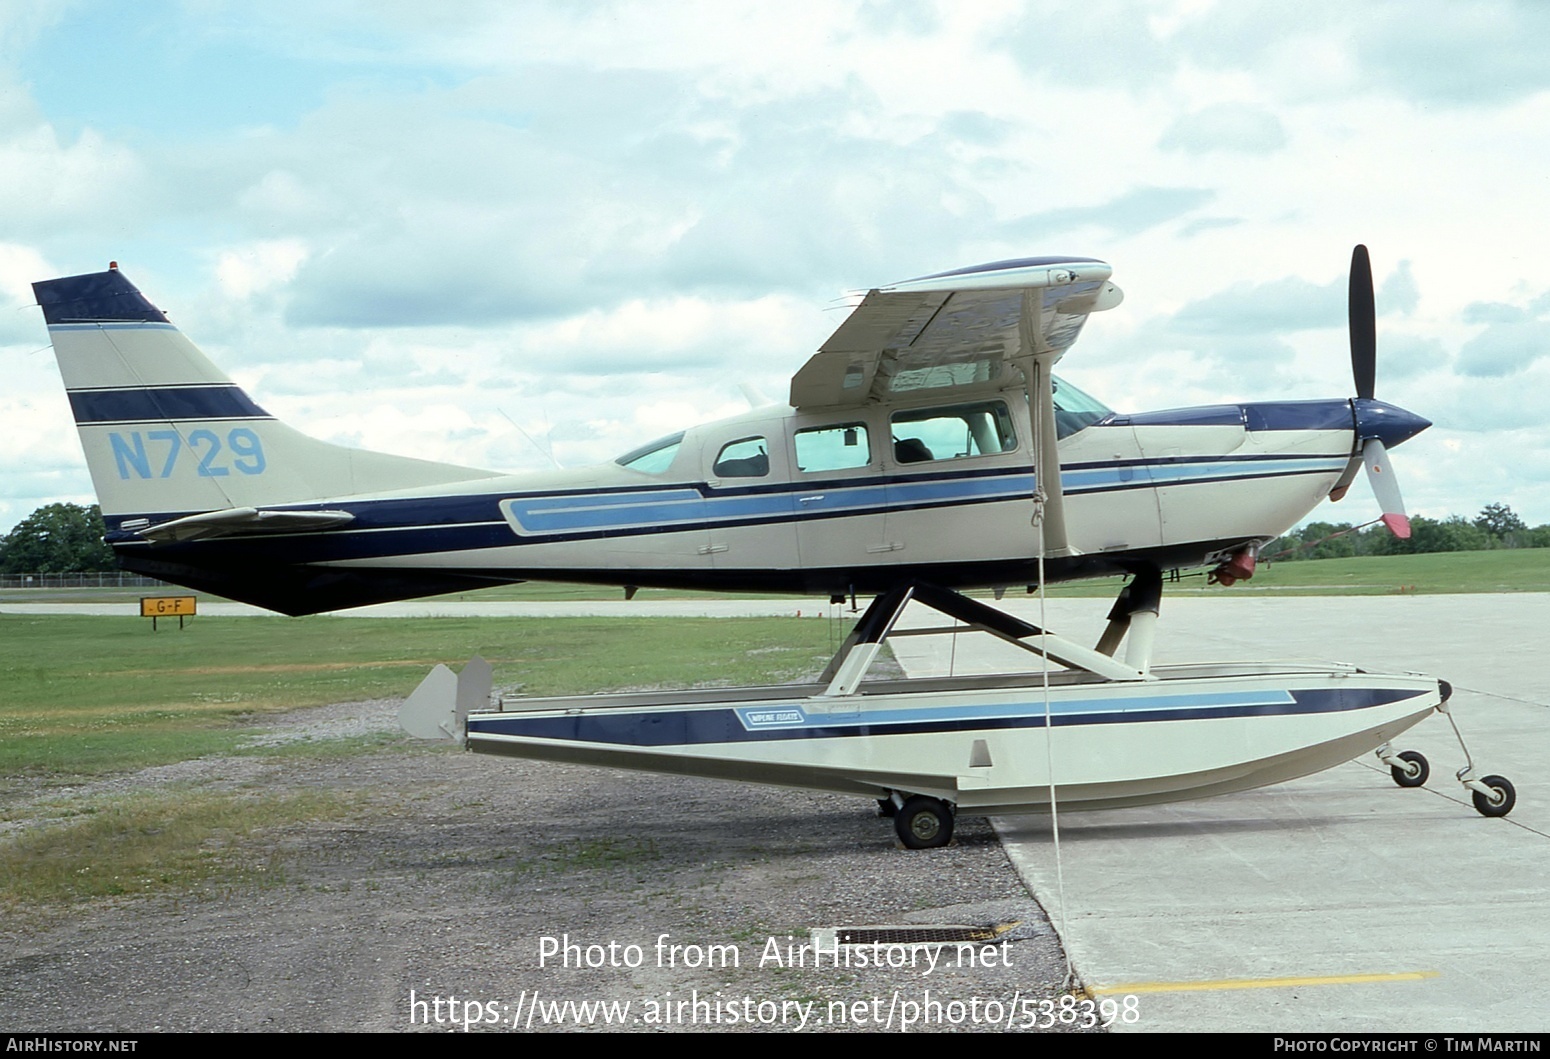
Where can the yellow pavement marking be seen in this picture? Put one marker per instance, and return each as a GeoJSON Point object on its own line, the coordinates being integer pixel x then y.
{"type": "Point", "coordinates": [1258, 983]}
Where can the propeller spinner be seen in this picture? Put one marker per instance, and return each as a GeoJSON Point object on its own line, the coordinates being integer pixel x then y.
{"type": "Point", "coordinates": [1376, 421]}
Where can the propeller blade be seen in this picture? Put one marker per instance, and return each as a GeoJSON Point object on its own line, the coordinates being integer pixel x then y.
{"type": "Point", "coordinates": [1386, 487]}
{"type": "Point", "coordinates": [1346, 478]}
{"type": "Point", "coordinates": [1363, 324]}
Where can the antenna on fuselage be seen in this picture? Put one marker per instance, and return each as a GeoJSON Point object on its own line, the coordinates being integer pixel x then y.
{"type": "Point", "coordinates": [752, 395]}
{"type": "Point", "coordinates": [546, 449]}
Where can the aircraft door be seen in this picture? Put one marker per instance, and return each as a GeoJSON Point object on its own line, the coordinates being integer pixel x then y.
{"type": "Point", "coordinates": [839, 494]}
{"type": "Point", "coordinates": [957, 488]}
{"type": "Point", "coordinates": [748, 510]}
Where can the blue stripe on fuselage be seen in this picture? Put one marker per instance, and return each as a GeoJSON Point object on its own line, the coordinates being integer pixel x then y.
{"type": "Point", "coordinates": [678, 505]}
{"type": "Point", "coordinates": [1263, 415]}
{"type": "Point", "coordinates": [464, 523]}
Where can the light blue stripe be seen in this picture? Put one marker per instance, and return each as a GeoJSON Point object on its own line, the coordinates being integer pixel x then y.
{"type": "Point", "coordinates": [1172, 473]}
{"type": "Point", "coordinates": [1138, 704]}
{"type": "Point", "coordinates": [678, 506]}
{"type": "Point", "coordinates": [578, 502]}
{"type": "Point", "coordinates": [1010, 487]}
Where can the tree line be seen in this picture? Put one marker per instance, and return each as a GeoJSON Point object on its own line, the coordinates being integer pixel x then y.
{"type": "Point", "coordinates": [57, 539]}
{"type": "Point", "coordinates": [1497, 526]}
{"type": "Point", "coordinates": [67, 539]}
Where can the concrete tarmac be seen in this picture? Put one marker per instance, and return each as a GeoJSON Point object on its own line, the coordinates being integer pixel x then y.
{"type": "Point", "coordinates": [1339, 902]}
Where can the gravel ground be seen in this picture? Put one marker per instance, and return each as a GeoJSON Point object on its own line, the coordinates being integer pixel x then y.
{"type": "Point", "coordinates": [457, 867]}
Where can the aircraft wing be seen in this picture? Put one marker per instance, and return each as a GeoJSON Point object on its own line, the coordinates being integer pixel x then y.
{"type": "Point", "coordinates": [954, 331]}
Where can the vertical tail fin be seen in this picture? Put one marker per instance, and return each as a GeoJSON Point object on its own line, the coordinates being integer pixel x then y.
{"type": "Point", "coordinates": [167, 433]}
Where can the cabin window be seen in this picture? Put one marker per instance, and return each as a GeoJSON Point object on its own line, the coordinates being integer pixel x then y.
{"type": "Point", "coordinates": [925, 434]}
{"type": "Point", "coordinates": [835, 448]}
{"type": "Point", "coordinates": [1075, 410]}
{"type": "Point", "coordinates": [747, 458]}
{"type": "Point", "coordinates": [653, 458]}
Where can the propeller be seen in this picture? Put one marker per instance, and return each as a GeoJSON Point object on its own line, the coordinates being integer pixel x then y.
{"type": "Point", "coordinates": [1363, 317]}
{"type": "Point", "coordinates": [1374, 419]}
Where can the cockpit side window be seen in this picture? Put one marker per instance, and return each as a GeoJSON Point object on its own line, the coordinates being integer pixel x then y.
{"type": "Point", "coordinates": [653, 458]}
{"type": "Point", "coordinates": [980, 429]}
{"type": "Point", "coordinates": [745, 458]}
{"type": "Point", "coordinates": [834, 448]}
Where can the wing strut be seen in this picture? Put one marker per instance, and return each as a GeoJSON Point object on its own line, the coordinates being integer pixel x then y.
{"type": "Point", "coordinates": [1036, 361]}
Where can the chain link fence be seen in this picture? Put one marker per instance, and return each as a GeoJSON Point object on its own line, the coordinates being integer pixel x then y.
{"type": "Point", "coordinates": [107, 579]}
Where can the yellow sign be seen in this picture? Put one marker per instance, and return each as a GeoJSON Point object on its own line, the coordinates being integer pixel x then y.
{"type": "Point", "coordinates": [166, 606]}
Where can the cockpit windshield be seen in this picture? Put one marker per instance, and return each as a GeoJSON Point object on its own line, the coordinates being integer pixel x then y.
{"type": "Point", "coordinates": [1075, 410]}
{"type": "Point", "coordinates": [655, 457]}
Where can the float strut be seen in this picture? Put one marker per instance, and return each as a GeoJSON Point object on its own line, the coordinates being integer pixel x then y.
{"type": "Point", "coordinates": [1135, 613]}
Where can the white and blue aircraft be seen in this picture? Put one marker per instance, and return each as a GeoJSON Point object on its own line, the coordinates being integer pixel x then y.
{"type": "Point", "coordinates": [926, 448]}
{"type": "Point", "coordinates": [910, 451]}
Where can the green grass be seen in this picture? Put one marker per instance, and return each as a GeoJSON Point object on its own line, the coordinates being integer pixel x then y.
{"type": "Point", "coordinates": [1503, 570]}
{"type": "Point", "coordinates": [144, 843]}
{"type": "Point", "coordinates": [525, 592]}
{"type": "Point", "coordinates": [1435, 573]}
{"type": "Point", "coordinates": [85, 695]}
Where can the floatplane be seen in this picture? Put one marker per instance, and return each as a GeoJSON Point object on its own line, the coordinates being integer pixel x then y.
{"type": "Point", "coordinates": [926, 449]}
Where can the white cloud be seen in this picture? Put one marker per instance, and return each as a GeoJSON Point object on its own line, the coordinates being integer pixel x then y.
{"type": "Point", "coordinates": [1504, 348]}
{"type": "Point", "coordinates": [19, 321]}
{"type": "Point", "coordinates": [1226, 127]}
{"type": "Point", "coordinates": [46, 183]}
{"type": "Point", "coordinates": [40, 456]}
{"type": "Point", "coordinates": [262, 266]}
{"type": "Point", "coordinates": [567, 212]}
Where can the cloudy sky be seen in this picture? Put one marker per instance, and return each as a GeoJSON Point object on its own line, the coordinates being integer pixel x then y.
{"type": "Point", "coordinates": [492, 232]}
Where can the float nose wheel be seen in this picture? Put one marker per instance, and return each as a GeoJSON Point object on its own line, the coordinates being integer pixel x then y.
{"type": "Point", "coordinates": [1493, 795]}
{"type": "Point", "coordinates": [924, 823]}
{"type": "Point", "coordinates": [1408, 767]}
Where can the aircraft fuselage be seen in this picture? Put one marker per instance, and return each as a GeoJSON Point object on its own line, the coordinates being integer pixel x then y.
{"type": "Point", "coordinates": [788, 501]}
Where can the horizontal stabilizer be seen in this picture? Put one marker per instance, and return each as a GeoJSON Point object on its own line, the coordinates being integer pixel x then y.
{"type": "Point", "coordinates": [240, 520]}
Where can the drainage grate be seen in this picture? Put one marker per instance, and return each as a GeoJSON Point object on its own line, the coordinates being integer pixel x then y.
{"type": "Point", "coordinates": [908, 934]}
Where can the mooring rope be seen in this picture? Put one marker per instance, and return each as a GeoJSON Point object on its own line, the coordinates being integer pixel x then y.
{"type": "Point", "coordinates": [1039, 499]}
